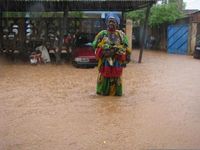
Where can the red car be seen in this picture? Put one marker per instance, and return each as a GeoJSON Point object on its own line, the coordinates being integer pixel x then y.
{"type": "Point", "coordinates": [83, 55]}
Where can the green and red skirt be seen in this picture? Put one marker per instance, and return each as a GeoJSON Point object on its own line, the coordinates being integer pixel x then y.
{"type": "Point", "coordinates": [109, 86]}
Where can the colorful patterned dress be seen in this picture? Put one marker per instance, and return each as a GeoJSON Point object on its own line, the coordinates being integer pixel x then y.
{"type": "Point", "coordinates": [111, 49]}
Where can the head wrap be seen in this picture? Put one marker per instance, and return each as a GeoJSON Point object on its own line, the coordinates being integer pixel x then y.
{"type": "Point", "coordinates": [114, 17]}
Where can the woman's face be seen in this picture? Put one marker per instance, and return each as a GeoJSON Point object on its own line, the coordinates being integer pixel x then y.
{"type": "Point", "coordinates": [112, 25]}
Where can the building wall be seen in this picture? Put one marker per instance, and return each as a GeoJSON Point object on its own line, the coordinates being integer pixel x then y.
{"type": "Point", "coordinates": [195, 17]}
{"type": "Point", "coordinates": [193, 20]}
{"type": "Point", "coordinates": [195, 31]}
{"type": "Point", "coordinates": [185, 20]}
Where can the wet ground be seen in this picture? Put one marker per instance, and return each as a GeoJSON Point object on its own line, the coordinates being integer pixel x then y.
{"type": "Point", "coordinates": [49, 107]}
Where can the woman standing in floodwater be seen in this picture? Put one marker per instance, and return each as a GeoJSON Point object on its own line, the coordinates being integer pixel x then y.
{"type": "Point", "coordinates": [112, 53]}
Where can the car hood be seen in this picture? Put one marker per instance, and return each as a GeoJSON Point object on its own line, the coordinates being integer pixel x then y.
{"type": "Point", "coordinates": [84, 51]}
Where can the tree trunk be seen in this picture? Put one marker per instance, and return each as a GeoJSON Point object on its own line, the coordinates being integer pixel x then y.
{"type": "Point", "coordinates": [163, 38]}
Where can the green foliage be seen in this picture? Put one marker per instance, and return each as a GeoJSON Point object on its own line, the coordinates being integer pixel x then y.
{"type": "Point", "coordinates": [167, 13]}
{"type": "Point", "coordinates": [160, 14]}
{"type": "Point", "coordinates": [76, 14]}
{"type": "Point", "coordinates": [136, 16]}
{"type": "Point", "coordinates": [180, 4]}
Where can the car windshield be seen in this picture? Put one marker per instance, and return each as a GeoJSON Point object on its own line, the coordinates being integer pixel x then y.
{"type": "Point", "coordinates": [83, 40]}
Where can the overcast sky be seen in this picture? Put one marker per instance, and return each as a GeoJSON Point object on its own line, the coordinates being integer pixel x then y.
{"type": "Point", "coordinates": [192, 4]}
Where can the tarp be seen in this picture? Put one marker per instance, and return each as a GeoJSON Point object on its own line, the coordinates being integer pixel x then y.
{"type": "Point", "coordinates": [45, 55]}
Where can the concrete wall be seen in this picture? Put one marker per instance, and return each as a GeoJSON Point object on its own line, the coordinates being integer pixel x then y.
{"type": "Point", "coordinates": [129, 26]}
{"type": "Point", "coordinates": [193, 37]}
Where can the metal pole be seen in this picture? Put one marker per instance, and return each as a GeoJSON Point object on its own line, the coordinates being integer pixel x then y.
{"type": "Point", "coordinates": [142, 40]}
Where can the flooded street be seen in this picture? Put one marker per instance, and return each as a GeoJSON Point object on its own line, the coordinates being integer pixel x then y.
{"type": "Point", "coordinates": [49, 107]}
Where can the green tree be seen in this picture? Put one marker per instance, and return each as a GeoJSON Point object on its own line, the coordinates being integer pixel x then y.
{"type": "Point", "coordinates": [160, 14]}
{"type": "Point", "coordinates": [180, 4]}
{"type": "Point", "coordinates": [164, 14]}
{"type": "Point", "coordinates": [160, 17]}
{"type": "Point", "coordinates": [136, 16]}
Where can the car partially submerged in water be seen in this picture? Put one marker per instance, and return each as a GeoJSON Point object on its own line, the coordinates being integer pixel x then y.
{"type": "Point", "coordinates": [84, 56]}
{"type": "Point", "coordinates": [197, 51]}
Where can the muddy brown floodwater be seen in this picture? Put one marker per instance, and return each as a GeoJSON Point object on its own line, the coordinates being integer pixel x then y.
{"type": "Point", "coordinates": [49, 107]}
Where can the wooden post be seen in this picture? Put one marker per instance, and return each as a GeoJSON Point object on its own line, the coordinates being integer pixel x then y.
{"type": "Point", "coordinates": [193, 37]}
{"type": "Point", "coordinates": [129, 26]}
{"type": "Point", "coordinates": [142, 42]}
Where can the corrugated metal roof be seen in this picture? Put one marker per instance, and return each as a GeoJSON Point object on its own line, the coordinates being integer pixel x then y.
{"type": "Point", "coordinates": [75, 5]}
